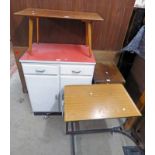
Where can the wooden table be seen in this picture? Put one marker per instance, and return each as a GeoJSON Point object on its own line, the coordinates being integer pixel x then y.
{"type": "Point", "coordinates": [91, 102]}
{"type": "Point", "coordinates": [107, 73]}
{"type": "Point", "coordinates": [37, 13]}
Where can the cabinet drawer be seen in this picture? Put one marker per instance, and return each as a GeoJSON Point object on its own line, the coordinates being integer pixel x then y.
{"type": "Point", "coordinates": [77, 69]}
{"type": "Point", "coordinates": [40, 69]}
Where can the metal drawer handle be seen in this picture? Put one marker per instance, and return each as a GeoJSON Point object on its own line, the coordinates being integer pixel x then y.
{"type": "Point", "coordinates": [40, 70]}
{"type": "Point", "coordinates": [76, 72]}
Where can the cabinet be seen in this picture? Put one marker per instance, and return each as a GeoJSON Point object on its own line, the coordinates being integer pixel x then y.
{"type": "Point", "coordinates": [45, 80]}
{"type": "Point", "coordinates": [42, 82]}
{"type": "Point", "coordinates": [48, 67]}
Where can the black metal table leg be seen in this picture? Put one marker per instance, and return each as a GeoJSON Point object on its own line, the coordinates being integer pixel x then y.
{"type": "Point", "coordinates": [73, 140]}
{"type": "Point", "coordinates": [67, 127]}
{"type": "Point", "coordinates": [73, 132]}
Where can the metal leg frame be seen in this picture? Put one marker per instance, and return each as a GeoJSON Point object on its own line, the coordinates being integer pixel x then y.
{"type": "Point", "coordinates": [112, 130]}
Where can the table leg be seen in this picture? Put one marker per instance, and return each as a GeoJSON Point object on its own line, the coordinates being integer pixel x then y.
{"type": "Point", "coordinates": [73, 140]}
{"type": "Point", "coordinates": [118, 129]}
{"type": "Point", "coordinates": [89, 36]}
{"type": "Point", "coordinates": [67, 127]}
{"type": "Point", "coordinates": [112, 130]}
{"type": "Point", "coordinates": [30, 33]}
{"type": "Point", "coordinates": [37, 22]}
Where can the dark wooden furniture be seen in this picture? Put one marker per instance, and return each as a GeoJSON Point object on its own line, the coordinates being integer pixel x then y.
{"type": "Point", "coordinates": [135, 85]}
{"type": "Point", "coordinates": [135, 82]}
{"type": "Point", "coordinates": [107, 73]}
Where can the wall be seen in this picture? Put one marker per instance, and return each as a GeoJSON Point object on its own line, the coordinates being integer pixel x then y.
{"type": "Point", "coordinates": [107, 35]}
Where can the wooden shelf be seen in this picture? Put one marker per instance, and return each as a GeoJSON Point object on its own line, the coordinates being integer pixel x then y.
{"type": "Point", "coordinates": [35, 12]}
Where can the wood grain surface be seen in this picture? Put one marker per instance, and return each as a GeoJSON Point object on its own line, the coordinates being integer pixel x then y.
{"type": "Point", "coordinates": [90, 102]}
{"type": "Point", "coordinates": [130, 122]}
{"type": "Point", "coordinates": [108, 34]}
{"type": "Point", "coordinates": [60, 14]}
{"type": "Point", "coordinates": [107, 73]}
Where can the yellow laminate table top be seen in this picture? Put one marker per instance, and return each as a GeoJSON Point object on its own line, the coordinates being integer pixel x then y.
{"type": "Point", "coordinates": [97, 101]}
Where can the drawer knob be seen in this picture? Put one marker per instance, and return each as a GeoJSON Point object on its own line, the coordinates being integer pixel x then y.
{"type": "Point", "coordinates": [40, 70]}
{"type": "Point", "coordinates": [76, 72]}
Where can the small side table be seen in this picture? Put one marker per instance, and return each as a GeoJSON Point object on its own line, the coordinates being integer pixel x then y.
{"type": "Point", "coordinates": [107, 73]}
{"type": "Point", "coordinates": [97, 101]}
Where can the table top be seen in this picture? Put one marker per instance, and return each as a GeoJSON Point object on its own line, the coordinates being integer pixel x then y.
{"type": "Point", "coordinates": [36, 12]}
{"type": "Point", "coordinates": [107, 73]}
{"type": "Point", "coordinates": [98, 101]}
{"type": "Point", "coordinates": [58, 52]}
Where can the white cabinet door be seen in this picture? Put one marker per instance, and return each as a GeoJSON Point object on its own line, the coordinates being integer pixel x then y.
{"type": "Point", "coordinates": [72, 80]}
{"type": "Point", "coordinates": [43, 92]}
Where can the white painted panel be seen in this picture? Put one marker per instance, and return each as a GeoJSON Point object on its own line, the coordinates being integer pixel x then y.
{"type": "Point", "coordinates": [77, 69]}
{"type": "Point", "coordinates": [41, 69]}
{"type": "Point", "coordinates": [43, 92]}
{"type": "Point", "coordinates": [72, 80]}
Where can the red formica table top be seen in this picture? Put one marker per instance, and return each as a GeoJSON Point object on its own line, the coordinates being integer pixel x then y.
{"type": "Point", "coordinates": [58, 52]}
